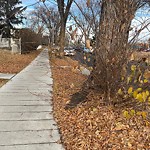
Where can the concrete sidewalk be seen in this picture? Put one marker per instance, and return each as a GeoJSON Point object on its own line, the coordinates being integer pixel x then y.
{"type": "Point", "coordinates": [6, 76]}
{"type": "Point", "coordinates": [26, 120]}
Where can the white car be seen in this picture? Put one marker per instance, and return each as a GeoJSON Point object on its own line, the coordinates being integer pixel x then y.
{"type": "Point", "coordinates": [69, 51]}
{"type": "Point", "coordinates": [146, 50]}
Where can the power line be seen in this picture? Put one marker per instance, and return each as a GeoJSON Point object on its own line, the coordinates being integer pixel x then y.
{"type": "Point", "coordinates": [33, 4]}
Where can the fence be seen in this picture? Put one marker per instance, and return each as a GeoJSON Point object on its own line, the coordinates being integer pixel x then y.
{"type": "Point", "coordinates": [16, 45]}
{"type": "Point", "coordinates": [5, 43]}
{"type": "Point", "coordinates": [11, 44]}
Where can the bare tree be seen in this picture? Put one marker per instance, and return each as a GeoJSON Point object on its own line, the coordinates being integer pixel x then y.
{"type": "Point", "coordinates": [46, 19]}
{"type": "Point", "coordinates": [87, 18]}
{"type": "Point", "coordinates": [140, 24]}
{"type": "Point", "coordinates": [112, 49]}
{"type": "Point", "coordinates": [63, 9]}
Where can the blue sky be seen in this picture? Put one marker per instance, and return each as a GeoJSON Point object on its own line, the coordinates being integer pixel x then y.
{"type": "Point", "coordinates": [28, 2]}
{"type": "Point", "coordinates": [141, 15]}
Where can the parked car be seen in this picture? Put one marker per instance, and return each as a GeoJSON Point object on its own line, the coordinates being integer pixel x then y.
{"type": "Point", "coordinates": [146, 50]}
{"type": "Point", "coordinates": [79, 49]}
{"type": "Point", "coordinates": [69, 51]}
{"type": "Point", "coordinates": [87, 50]}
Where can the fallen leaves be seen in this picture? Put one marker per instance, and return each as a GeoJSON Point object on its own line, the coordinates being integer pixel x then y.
{"type": "Point", "coordinates": [120, 126]}
{"type": "Point", "coordinates": [93, 125]}
{"type": "Point", "coordinates": [2, 82]}
{"type": "Point", "coordinates": [14, 63]}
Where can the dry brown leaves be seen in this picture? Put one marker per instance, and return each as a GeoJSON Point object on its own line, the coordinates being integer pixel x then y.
{"type": "Point", "coordinates": [2, 82]}
{"type": "Point", "coordinates": [14, 63]}
{"type": "Point", "coordinates": [92, 125]}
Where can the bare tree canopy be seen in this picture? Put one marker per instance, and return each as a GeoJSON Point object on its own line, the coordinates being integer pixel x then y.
{"type": "Point", "coordinates": [64, 9]}
{"type": "Point", "coordinates": [46, 20]}
{"type": "Point", "coordinates": [87, 18]}
{"type": "Point", "coordinates": [112, 50]}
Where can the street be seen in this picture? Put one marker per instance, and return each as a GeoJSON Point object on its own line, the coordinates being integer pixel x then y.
{"type": "Point", "coordinates": [84, 58]}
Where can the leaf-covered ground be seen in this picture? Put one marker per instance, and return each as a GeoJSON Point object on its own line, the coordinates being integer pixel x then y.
{"type": "Point", "coordinates": [93, 125]}
{"type": "Point", "coordinates": [14, 63]}
{"type": "Point", "coordinates": [2, 82]}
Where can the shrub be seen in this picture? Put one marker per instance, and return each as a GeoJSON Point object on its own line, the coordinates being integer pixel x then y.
{"type": "Point", "coordinates": [29, 40]}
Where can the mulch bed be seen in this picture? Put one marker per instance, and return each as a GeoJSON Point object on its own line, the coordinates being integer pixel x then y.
{"type": "Point", "coordinates": [93, 125]}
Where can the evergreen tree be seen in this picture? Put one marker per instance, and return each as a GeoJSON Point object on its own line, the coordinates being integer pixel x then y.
{"type": "Point", "coordinates": [10, 15]}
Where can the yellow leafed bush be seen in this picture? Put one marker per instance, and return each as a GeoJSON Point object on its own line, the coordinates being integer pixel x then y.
{"type": "Point", "coordinates": [133, 67]}
{"type": "Point", "coordinates": [126, 114]}
{"type": "Point", "coordinates": [144, 114]}
{"type": "Point", "coordinates": [147, 93]}
{"type": "Point", "coordinates": [130, 90]}
{"type": "Point", "coordinates": [132, 112]}
{"type": "Point", "coordinates": [145, 81]}
{"type": "Point", "coordinates": [139, 89]}
{"type": "Point", "coordinates": [139, 97]}
{"type": "Point", "coordinates": [135, 93]}
{"type": "Point", "coordinates": [120, 92]}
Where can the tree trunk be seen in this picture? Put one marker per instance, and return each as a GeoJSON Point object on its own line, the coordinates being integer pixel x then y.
{"type": "Point", "coordinates": [62, 38]}
{"type": "Point", "coordinates": [64, 12]}
{"type": "Point", "coordinates": [112, 47]}
{"type": "Point", "coordinates": [111, 53]}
